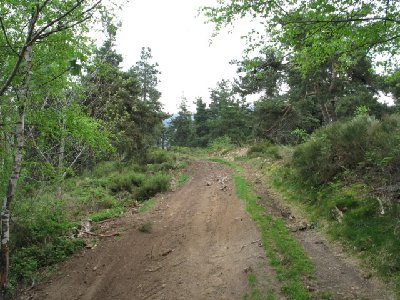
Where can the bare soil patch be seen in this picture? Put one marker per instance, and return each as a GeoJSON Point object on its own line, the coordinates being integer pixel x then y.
{"type": "Point", "coordinates": [200, 244]}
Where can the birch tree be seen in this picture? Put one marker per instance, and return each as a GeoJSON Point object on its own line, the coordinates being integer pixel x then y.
{"type": "Point", "coordinates": [42, 42]}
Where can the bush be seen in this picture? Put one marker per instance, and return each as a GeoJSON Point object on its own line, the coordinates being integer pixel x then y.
{"type": "Point", "coordinates": [39, 237]}
{"type": "Point", "coordinates": [153, 185]}
{"type": "Point", "coordinates": [221, 144]}
{"type": "Point", "coordinates": [125, 182]}
{"type": "Point", "coordinates": [158, 156]}
{"type": "Point", "coordinates": [265, 149]}
{"type": "Point", "coordinates": [333, 149]}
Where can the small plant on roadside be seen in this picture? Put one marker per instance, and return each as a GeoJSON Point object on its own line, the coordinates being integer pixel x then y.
{"type": "Point", "coordinates": [221, 145]}
{"type": "Point", "coordinates": [152, 185]}
{"type": "Point", "coordinates": [182, 179]}
{"type": "Point", "coordinates": [146, 205]}
{"type": "Point", "coordinates": [146, 227]}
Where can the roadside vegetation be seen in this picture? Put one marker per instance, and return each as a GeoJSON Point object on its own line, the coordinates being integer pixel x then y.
{"type": "Point", "coordinates": [45, 220]}
{"type": "Point", "coordinates": [289, 260]}
{"type": "Point", "coordinates": [345, 178]}
{"type": "Point", "coordinates": [292, 265]}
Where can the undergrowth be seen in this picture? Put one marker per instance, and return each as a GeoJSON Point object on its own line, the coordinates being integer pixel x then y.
{"type": "Point", "coordinates": [44, 217]}
{"type": "Point", "coordinates": [363, 229]}
{"type": "Point", "coordinates": [346, 176]}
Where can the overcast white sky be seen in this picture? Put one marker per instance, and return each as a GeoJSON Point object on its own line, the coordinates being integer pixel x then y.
{"type": "Point", "coordinates": [180, 44]}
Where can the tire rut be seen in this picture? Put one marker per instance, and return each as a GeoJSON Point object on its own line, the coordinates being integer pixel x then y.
{"type": "Point", "coordinates": [201, 243]}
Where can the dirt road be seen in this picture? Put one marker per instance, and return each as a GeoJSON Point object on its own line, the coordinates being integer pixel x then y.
{"type": "Point", "coordinates": [201, 246]}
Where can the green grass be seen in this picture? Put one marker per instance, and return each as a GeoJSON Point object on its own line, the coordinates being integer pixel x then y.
{"type": "Point", "coordinates": [286, 256]}
{"type": "Point", "coordinates": [363, 230]}
{"type": "Point", "coordinates": [146, 205]}
{"type": "Point", "coordinates": [292, 265]}
{"type": "Point", "coordinates": [227, 163]}
{"type": "Point", "coordinates": [182, 179]}
{"type": "Point", "coordinates": [106, 214]}
{"type": "Point", "coordinates": [255, 293]}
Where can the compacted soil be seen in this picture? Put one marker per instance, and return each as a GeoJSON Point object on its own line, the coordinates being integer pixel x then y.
{"type": "Point", "coordinates": [196, 243]}
{"type": "Point", "coordinates": [201, 244]}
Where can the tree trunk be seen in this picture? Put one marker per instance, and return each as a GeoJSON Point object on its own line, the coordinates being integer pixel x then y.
{"type": "Point", "coordinates": [6, 209]}
{"type": "Point", "coordinates": [61, 154]}
{"type": "Point", "coordinates": [12, 182]}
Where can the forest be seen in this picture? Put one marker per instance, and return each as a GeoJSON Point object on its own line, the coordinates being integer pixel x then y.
{"type": "Point", "coordinates": [82, 138]}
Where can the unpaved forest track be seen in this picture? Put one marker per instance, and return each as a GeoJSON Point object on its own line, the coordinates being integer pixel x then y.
{"type": "Point", "coordinates": [200, 247]}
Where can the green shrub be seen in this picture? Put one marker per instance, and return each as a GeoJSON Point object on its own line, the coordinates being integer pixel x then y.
{"type": "Point", "coordinates": [158, 156]}
{"type": "Point", "coordinates": [152, 185]}
{"type": "Point", "coordinates": [25, 261]}
{"type": "Point", "coordinates": [126, 181]}
{"type": "Point", "coordinates": [333, 149]}
{"type": "Point", "coordinates": [265, 149]}
{"type": "Point", "coordinates": [39, 237]}
{"type": "Point", "coordinates": [221, 144]}
{"type": "Point", "coordinates": [165, 166]}
{"type": "Point", "coordinates": [106, 214]}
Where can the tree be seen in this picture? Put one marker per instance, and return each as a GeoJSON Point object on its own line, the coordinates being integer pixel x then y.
{"type": "Point", "coordinates": [261, 74]}
{"type": "Point", "coordinates": [43, 41]}
{"type": "Point", "coordinates": [228, 116]}
{"type": "Point", "coordinates": [315, 31]}
{"type": "Point", "coordinates": [201, 124]}
{"type": "Point", "coordinates": [114, 96]}
{"type": "Point", "coordinates": [181, 129]}
{"type": "Point", "coordinates": [147, 73]}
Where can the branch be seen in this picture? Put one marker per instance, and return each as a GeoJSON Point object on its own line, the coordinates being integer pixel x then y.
{"type": "Point", "coordinates": [3, 28]}
{"type": "Point", "coordinates": [56, 20]}
{"type": "Point", "coordinates": [36, 146]}
{"type": "Point", "coordinates": [54, 78]}
{"type": "Point", "coordinates": [40, 34]}
{"type": "Point", "coordinates": [32, 23]}
{"type": "Point", "coordinates": [101, 235]}
{"type": "Point", "coordinates": [41, 7]}
{"type": "Point", "coordinates": [74, 162]}
{"type": "Point", "coordinates": [61, 28]}
{"type": "Point", "coordinates": [348, 20]}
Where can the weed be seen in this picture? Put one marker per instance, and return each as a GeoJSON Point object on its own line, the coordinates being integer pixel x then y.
{"type": "Point", "coordinates": [255, 293]}
{"type": "Point", "coordinates": [182, 179]}
{"type": "Point", "coordinates": [227, 163]}
{"type": "Point", "coordinates": [106, 214]}
{"type": "Point", "coordinates": [146, 227]}
{"type": "Point", "coordinates": [221, 145]}
{"type": "Point", "coordinates": [126, 181]}
{"type": "Point", "coordinates": [265, 149]}
{"type": "Point", "coordinates": [152, 185]}
{"type": "Point", "coordinates": [146, 205]}
{"type": "Point", "coordinates": [158, 156]}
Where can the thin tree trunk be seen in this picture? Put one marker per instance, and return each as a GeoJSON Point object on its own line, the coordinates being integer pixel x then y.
{"type": "Point", "coordinates": [12, 183]}
{"type": "Point", "coordinates": [61, 154]}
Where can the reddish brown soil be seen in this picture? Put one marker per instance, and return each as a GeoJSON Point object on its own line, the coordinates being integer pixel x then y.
{"type": "Point", "coordinates": [201, 246]}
